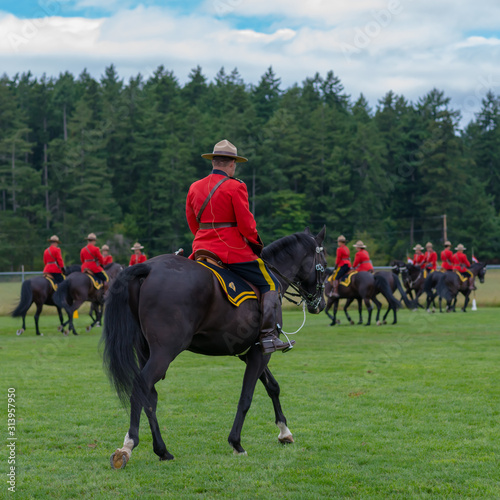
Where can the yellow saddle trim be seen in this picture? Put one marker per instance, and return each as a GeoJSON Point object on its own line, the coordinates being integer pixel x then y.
{"type": "Point", "coordinates": [461, 276]}
{"type": "Point", "coordinates": [347, 282]}
{"type": "Point", "coordinates": [239, 299]}
{"type": "Point", "coordinates": [51, 281]}
{"type": "Point", "coordinates": [96, 284]}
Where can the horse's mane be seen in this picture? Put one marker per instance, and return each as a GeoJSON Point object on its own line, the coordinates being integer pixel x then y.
{"type": "Point", "coordinates": [284, 248]}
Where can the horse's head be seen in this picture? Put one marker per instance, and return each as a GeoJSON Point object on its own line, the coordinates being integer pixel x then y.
{"type": "Point", "coordinates": [312, 272]}
{"type": "Point", "coordinates": [481, 271]}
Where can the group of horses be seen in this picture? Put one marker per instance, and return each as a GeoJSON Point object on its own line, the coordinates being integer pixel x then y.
{"type": "Point", "coordinates": [364, 287]}
{"type": "Point", "coordinates": [76, 289]}
{"type": "Point", "coordinates": [169, 304]}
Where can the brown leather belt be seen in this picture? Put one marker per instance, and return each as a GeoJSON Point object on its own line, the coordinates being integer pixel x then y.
{"type": "Point", "coordinates": [216, 225]}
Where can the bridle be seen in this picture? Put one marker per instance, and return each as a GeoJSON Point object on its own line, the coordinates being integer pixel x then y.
{"type": "Point", "coordinates": [312, 300]}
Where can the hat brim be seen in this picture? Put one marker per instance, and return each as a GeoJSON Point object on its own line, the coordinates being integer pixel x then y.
{"type": "Point", "coordinates": [238, 159]}
{"type": "Point", "coordinates": [54, 241]}
{"type": "Point", "coordinates": [136, 248]}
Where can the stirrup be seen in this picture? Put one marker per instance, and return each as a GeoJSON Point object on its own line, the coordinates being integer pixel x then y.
{"type": "Point", "coordinates": [272, 343]}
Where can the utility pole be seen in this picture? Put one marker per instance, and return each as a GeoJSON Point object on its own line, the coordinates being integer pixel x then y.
{"type": "Point", "coordinates": [445, 229]}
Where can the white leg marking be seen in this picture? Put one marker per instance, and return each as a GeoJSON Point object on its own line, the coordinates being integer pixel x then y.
{"type": "Point", "coordinates": [285, 434]}
{"type": "Point", "coordinates": [128, 444]}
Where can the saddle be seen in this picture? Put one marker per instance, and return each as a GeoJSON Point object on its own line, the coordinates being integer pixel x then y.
{"type": "Point", "coordinates": [50, 279]}
{"type": "Point", "coordinates": [236, 289]}
{"type": "Point", "coordinates": [346, 279]}
{"type": "Point", "coordinates": [461, 276]}
{"type": "Point", "coordinates": [93, 279]}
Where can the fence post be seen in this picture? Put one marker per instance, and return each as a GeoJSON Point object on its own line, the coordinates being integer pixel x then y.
{"type": "Point", "coordinates": [22, 273]}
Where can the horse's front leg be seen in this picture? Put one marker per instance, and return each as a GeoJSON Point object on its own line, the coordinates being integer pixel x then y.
{"type": "Point", "coordinates": [370, 309]}
{"type": "Point", "coordinates": [466, 302]}
{"type": "Point", "coordinates": [348, 302]}
{"type": "Point", "coordinates": [256, 363]}
{"type": "Point", "coordinates": [39, 308]}
{"type": "Point", "coordinates": [378, 305]}
{"type": "Point", "coordinates": [273, 390]}
{"type": "Point", "coordinates": [360, 311]}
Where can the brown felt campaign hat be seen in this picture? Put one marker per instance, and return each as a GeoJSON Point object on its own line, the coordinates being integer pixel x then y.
{"type": "Point", "coordinates": [460, 247]}
{"type": "Point", "coordinates": [418, 247]}
{"type": "Point", "coordinates": [91, 237]}
{"type": "Point", "coordinates": [447, 243]}
{"type": "Point", "coordinates": [137, 246]}
{"type": "Point", "coordinates": [428, 245]}
{"type": "Point", "coordinates": [341, 238]}
{"type": "Point", "coordinates": [105, 247]}
{"type": "Point", "coordinates": [225, 148]}
{"type": "Point", "coordinates": [54, 239]}
{"type": "Point", "coordinates": [359, 244]}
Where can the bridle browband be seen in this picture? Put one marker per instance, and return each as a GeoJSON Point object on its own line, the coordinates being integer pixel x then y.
{"type": "Point", "coordinates": [312, 300]}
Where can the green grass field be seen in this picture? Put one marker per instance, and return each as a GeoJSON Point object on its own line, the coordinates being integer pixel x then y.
{"type": "Point", "coordinates": [406, 411]}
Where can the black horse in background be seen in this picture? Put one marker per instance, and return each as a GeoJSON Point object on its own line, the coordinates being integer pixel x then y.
{"type": "Point", "coordinates": [451, 285]}
{"type": "Point", "coordinates": [39, 290]}
{"type": "Point", "coordinates": [77, 289]}
{"type": "Point", "coordinates": [431, 286]}
{"type": "Point", "coordinates": [392, 280]}
{"type": "Point", "coordinates": [171, 304]}
{"type": "Point", "coordinates": [413, 279]}
{"type": "Point", "coordinates": [363, 287]}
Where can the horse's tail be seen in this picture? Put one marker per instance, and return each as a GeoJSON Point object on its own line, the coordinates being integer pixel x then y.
{"type": "Point", "coordinates": [409, 304]}
{"type": "Point", "coordinates": [124, 343]}
{"type": "Point", "coordinates": [385, 290]}
{"type": "Point", "coordinates": [60, 297]}
{"type": "Point", "coordinates": [25, 301]}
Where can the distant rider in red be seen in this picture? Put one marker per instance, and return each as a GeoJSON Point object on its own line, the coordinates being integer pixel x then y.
{"type": "Point", "coordinates": [53, 260]}
{"type": "Point", "coordinates": [137, 257]}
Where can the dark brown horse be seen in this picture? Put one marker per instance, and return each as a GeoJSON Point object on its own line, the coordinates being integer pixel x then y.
{"type": "Point", "coordinates": [77, 289]}
{"type": "Point", "coordinates": [394, 284]}
{"type": "Point", "coordinates": [171, 304]}
{"type": "Point", "coordinates": [38, 290]}
{"type": "Point", "coordinates": [451, 285]}
{"type": "Point", "coordinates": [363, 288]}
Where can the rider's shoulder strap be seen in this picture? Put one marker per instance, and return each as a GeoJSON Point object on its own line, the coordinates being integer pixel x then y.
{"type": "Point", "coordinates": [205, 203]}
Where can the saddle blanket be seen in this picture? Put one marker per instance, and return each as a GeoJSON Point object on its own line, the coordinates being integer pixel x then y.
{"type": "Point", "coordinates": [96, 284]}
{"type": "Point", "coordinates": [461, 276]}
{"type": "Point", "coordinates": [236, 289]}
{"type": "Point", "coordinates": [51, 281]}
{"type": "Point", "coordinates": [346, 280]}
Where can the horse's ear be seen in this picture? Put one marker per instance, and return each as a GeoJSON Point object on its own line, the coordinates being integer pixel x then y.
{"type": "Point", "coordinates": [320, 236]}
{"type": "Point", "coordinates": [307, 230]}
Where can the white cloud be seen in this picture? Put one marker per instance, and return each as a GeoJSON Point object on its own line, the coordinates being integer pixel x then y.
{"type": "Point", "coordinates": [373, 45]}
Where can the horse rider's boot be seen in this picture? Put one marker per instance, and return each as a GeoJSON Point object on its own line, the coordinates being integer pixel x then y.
{"type": "Point", "coordinates": [268, 339]}
{"type": "Point", "coordinates": [335, 292]}
{"type": "Point", "coordinates": [472, 285]}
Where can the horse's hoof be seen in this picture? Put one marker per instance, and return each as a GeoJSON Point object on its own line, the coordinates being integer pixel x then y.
{"type": "Point", "coordinates": [351, 322]}
{"type": "Point", "coordinates": [65, 333]}
{"type": "Point", "coordinates": [166, 456]}
{"type": "Point", "coordinates": [20, 331]}
{"type": "Point", "coordinates": [385, 322]}
{"type": "Point", "coordinates": [240, 453]}
{"type": "Point", "coordinates": [74, 332]}
{"type": "Point", "coordinates": [379, 323]}
{"type": "Point", "coordinates": [118, 459]}
{"type": "Point", "coordinates": [99, 325]}
{"type": "Point", "coordinates": [286, 439]}
{"type": "Point", "coordinates": [60, 328]}
{"type": "Point", "coordinates": [88, 328]}
{"type": "Point", "coordinates": [433, 309]}
{"type": "Point", "coordinates": [40, 334]}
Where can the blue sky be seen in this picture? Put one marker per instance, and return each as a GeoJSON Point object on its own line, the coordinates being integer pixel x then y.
{"type": "Point", "coordinates": [373, 46]}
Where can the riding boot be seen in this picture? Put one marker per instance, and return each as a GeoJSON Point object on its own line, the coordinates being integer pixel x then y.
{"type": "Point", "coordinates": [335, 292]}
{"type": "Point", "coordinates": [472, 285]}
{"type": "Point", "coordinates": [269, 341]}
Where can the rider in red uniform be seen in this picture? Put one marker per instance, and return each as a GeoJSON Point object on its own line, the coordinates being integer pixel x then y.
{"type": "Point", "coordinates": [137, 257]}
{"type": "Point", "coordinates": [342, 264]}
{"type": "Point", "coordinates": [362, 260]}
{"type": "Point", "coordinates": [447, 259]}
{"type": "Point", "coordinates": [462, 265]}
{"type": "Point", "coordinates": [430, 259]}
{"type": "Point", "coordinates": [91, 259]}
{"type": "Point", "coordinates": [418, 258]}
{"type": "Point", "coordinates": [106, 257]}
{"type": "Point", "coordinates": [53, 261]}
{"type": "Point", "coordinates": [218, 215]}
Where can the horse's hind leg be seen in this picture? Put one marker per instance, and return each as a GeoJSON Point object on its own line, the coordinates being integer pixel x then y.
{"type": "Point", "coordinates": [39, 308]}
{"type": "Point", "coordinates": [256, 363]}
{"type": "Point", "coordinates": [273, 390]}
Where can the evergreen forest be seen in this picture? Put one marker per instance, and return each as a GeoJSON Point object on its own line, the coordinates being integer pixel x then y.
{"type": "Point", "coordinates": [115, 157]}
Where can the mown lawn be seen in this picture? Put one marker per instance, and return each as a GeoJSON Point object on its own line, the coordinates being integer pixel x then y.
{"type": "Point", "coordinates": [406, 411]}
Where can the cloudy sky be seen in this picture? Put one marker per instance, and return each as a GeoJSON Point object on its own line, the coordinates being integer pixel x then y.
{"type": "Point", "coordinates": [408, 46]}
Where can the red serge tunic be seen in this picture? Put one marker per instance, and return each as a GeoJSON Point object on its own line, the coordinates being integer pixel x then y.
{"type": "Point", "coordinates": [461, 262]}
{"type": "Point", "coordinates": [430, 260]}
{"type": "Point", "coordinates": [343, 255]}
{"type": "Point", "coordinates": [418, 259]}
{"type": "Point", "coordinates": [362, 261]}
{"type": "Point", "coordinates": [91, 257]}
{"type": "Point", "coordinates": [229, 203]}
{"type": "Point", "coordinates": [52, 259]}
{"type": "Point", "coordinates": [137, 259]}
{"type": "Point", "coordinates": [108, 259]}
{"type": "Point", "coordinates": [447, 259]}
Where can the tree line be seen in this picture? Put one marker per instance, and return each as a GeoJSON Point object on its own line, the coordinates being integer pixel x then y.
{"type": "Point", "coordinates": [80, 155]}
